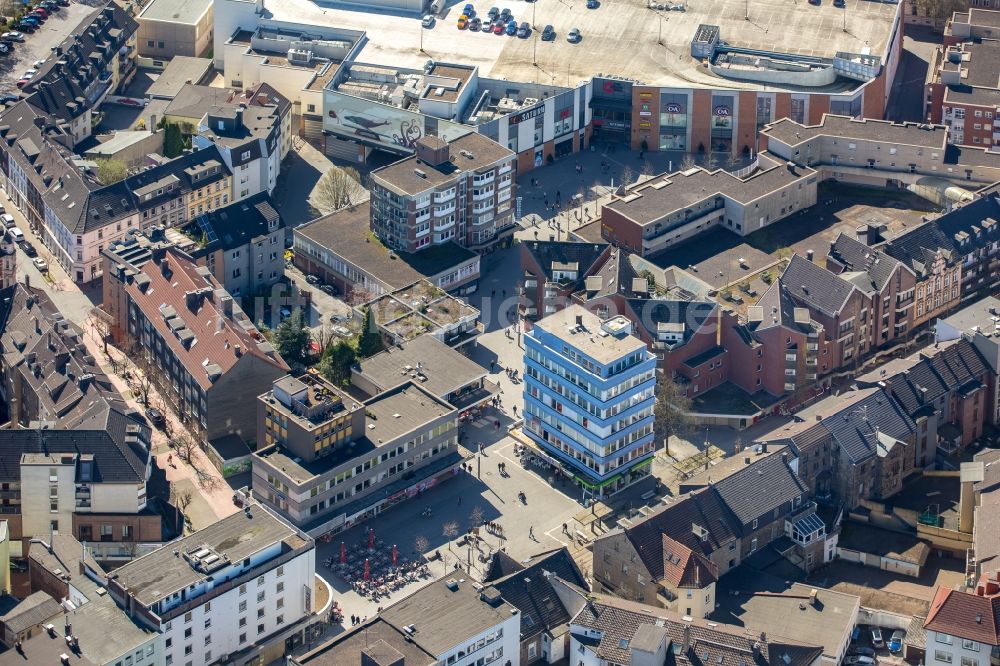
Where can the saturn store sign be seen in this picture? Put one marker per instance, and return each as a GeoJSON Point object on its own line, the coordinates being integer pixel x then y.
{"type": "Point", "coordinates": [533, 112]}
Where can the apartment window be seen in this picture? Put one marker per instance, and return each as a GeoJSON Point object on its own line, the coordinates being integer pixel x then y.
{"type": "Point", "coordinates": [942, 656]}
{"type": "Point", "coordinates": [260, 613]}
{"type": "Point", "coordinates": [260, 596]}
{"type": "Point", "coordinates": [311, 108]}
{"type": "Point", "coordinates": [245, 156]}
{"type": "Point", "coordinates": [150, 43]}
{"type": "Point", "coordinates": [187, 616]}
{"type": "Point", "coordinates": [208, 620]}
{"type": "Point", "coordinates": [944, 639]}
{"type": "Point", "coordinates": [969, 661]}
{"type": "Point", "coordinates": [160, 45]}
{"type": "Point", "coordinates": [243, 638]}
{"type": "Point", "coordinates": [281, 587]}
{"type": "Point", "coordinates": [243, 622]}
{"type": "Point", "coordinates": [260, 628]}
{"type": "Point", "coordinates": [280, 603]}
{"type": "Point", "coordinates": [967, 644]}
{"type": "Point", "coordinates": [187, 633]}
{"type": "Point", "coordinates": [280, 620]}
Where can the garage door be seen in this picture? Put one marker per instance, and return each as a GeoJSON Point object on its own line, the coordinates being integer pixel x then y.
{"type": "Point", "coordinates": [340, 149]}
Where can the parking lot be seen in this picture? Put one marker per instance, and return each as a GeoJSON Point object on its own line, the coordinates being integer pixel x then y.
{"type": "Point", "coordinates": [38, 45]}
{"type": "Point", "coordinates": [659, 41]}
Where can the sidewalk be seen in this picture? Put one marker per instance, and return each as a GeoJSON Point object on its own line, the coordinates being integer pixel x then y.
{"type": "Point", "coordinates": [211, 496]}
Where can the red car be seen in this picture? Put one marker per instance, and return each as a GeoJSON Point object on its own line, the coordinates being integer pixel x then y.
{"type": "Point", "coordinates": [128, 101]}
{"type": "Point", "coordinates": [22, 83]}
{"type": "Point", "coordinates": [41, 11]}
{"type": "Point", "coordinates": [498, 28]}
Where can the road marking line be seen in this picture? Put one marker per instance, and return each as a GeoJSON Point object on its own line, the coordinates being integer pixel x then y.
{"type": "Point", "coordinates": [549, 535]}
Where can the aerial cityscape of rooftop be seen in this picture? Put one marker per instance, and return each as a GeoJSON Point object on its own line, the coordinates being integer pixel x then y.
{"type": "Point", "coordinates": [445, 333]}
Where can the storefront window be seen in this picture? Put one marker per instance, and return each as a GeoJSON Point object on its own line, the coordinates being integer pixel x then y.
{"type": "Point", "coordinates": [798, 110]}
{"type": "Point", "coordinates": [763, 111]}
{"type": "Point", "coordinates": [673, 142]}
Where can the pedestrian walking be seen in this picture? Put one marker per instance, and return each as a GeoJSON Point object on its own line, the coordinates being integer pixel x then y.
{"type": "Point", "coordinates": [515, 410]}
{"type": "Point", "coordinates": [531, 532]}
{"type": "Point", "coordinates": [493, 294]}
{"type": "Point", "coordinates": [459, 500]}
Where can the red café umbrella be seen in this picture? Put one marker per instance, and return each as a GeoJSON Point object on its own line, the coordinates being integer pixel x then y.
{"type": "Point", "coordinates": [371, 538]}
{"type": "Point", "coordinates": [368, 571]}
{"type": "Point", "coordinates": [343, 553]}
{"type": "Point", "coordinates": [395, 554]}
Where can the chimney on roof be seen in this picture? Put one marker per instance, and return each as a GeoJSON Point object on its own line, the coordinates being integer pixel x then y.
{"type": "Point", "coordinates": [686, 645]}
{"type": "Point", "coordinates": [809, 255]}
{"type": "Point", "coordinates": [432, 150]}
{"type": "Point", "coordinates": [165, 266]}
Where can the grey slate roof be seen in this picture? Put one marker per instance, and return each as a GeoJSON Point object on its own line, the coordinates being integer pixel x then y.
{"type": "Point", "coordinates": [235, 225]}
{"type": "Point", "coordinates": [814, 286]}
{"type": "Point", "coordinates": [529, 591]}
{"type": "Point", "coordinates": [956, 367]}
{"type": "Point", "coordinates": [855, 256]}
{"type": "Point", "coordinates": [759, 488]}
{"type": "Point", "coordinates": [856, 420]}
{"type": "Point", "coordinates": [550, 253]}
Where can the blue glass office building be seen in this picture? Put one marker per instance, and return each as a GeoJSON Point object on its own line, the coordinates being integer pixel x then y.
{"type": "Point", "coordinates": [589, 388]}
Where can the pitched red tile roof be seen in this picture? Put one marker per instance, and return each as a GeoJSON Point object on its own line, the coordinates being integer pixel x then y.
{"type": "Point", "coordinates": [163, 299]}
{"type": "Point", "coordinates": [683, 567]}
{"type": "Point", "coordinates": [968, 615]}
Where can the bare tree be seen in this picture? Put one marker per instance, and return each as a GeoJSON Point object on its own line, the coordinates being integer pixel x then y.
{"type": "Point", "coordinates": [688, 162]}
{"type": "Point", "coordinates": [476, 516]}
{"type": "Point", "coordinates": [421, 544]}
{"type": "Point", "coordinates": [647, 170]}
{"type": "Point", "coordinates": [627, 176]}
{"type": "Point", "coordinates": [338, 187]}
{"type": "Point", "coordinates": [711, 162]}
{"type": "Point", "coordinates": [359, 295]}
{"type": "Point", "coordinates": [131, 549]}
{"type": "Point", "coordinates": [101, 326]}
{"type": "Point", "coordinates": [450, 531]}
{"type": "Point", "coordinates": [732, 161]}
{"type": "Point", "coordinates": [185, 446]}
{"type": "Point", "coordinates": [180, 499]}
{"type": "Point", "coordinates": [670, 412]}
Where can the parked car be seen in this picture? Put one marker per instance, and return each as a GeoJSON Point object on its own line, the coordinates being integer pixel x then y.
{"type": "Point", "coordinates": [52, 6]}
{"type": "Point", "coordinates": [524, 30]}
{"type": "Point", "coordinates": [285, 313]}
{"type": "Point", "coordinates": [505, 14]}
{"type": "Point", "coordinates": [463, 22]}
{"type": "Point", "coordinates": [498, 28]}
{"type": "Point", "coordinates": [469, 10]}
{"type": "Point", "coordinates": [40, 264]}
{"type": "Point", "coordinates": [593, 4]}
{"type": "Point", "coordinates": [428, 21]}
{"type": "Point", "coordinates": [493, 13]}
{"type": "Point", "coordinates": [859, 661]}
{"type": "Point", "coordinates": [63, 3]}
{"type": "Point", "coordinates": [335, 318]}
{"type": "Point", "coordinates": [548, 33]}
{"type": "Point", "coordinates": [840, 4]}
{"type": "Point", "coordinates": [8, 220]}
{"type": "Point", "coordinates": [896, 641]}
{"type": "Point", "coordinates": [26, 26]}
{"type": "Point", "coordinates": [877, 638]}
{"type": "Point", "coordinates": [9, 98]}
{"type": "Point", "coordinates": [29, 73]}
{"type": "Point", "coordinates": [342, 331]}
{"type": "Point", "coordinates": [28, 249]}
{"type": "Point", "coordinates": [12, 36]}
{"type": "Point", "coordinates": [329, 289]}
{"type": "Point", "coordinates": [15, 234]}
{"type": "Point", "coordinates": [574, 36]}
{"type": "Point", "coordinates": [861, 650]}
{"type": "Point", "coordinates": [475, 24]}
{"type": "Point", "coordinates": [156, 417]}
{"type": "Point", "coordinates": [312, 279]}
{"type": "Point", "coordinates": [512, 28]}
{"type": "Point", "coordinates": [5, 48]}
{"type": "Point", "coordinates": [37, 64]}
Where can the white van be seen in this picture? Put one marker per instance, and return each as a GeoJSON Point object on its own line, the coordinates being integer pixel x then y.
{"type": "Point", "coordinates": [15, 234]}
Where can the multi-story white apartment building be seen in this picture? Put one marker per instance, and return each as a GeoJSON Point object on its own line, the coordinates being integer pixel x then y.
{"type": "Point", "coordinates": [460, 190]}
{"type": "Point", "coordinates": [223, 593]}
{"type": "Point", "coordinates": [961, 625]}
{"type": "Point", "coordinates": [453, 621]}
